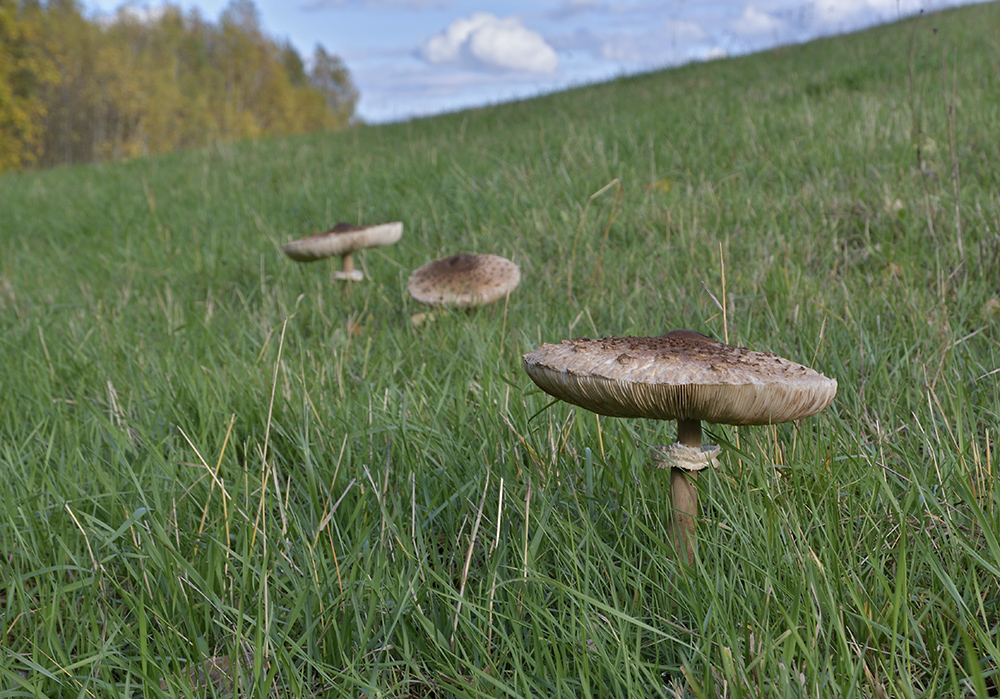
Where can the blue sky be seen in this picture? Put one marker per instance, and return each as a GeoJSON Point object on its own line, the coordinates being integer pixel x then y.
{"type": "Point", "coordinates": [417, 57]}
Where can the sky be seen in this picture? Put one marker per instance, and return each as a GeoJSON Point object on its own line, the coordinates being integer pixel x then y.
{"type": "Point", "coordinates": [411, 58]}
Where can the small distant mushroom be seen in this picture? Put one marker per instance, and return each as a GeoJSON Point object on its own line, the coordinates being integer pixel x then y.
{"type": "Point", "coordinates": [342, 240]}
{"type": "Point", "coordinates": [683, 376]}
{"type": "Point", "coordinates": [464, 280]}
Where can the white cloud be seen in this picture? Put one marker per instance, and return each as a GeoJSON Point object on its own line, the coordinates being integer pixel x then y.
{"type": "Point", "coordinates": [657, 44]}
{"type": "Point", "coordinates": [681, 31]}
{"type": "Point", "coordinates": [314, 5]}
{"type": "Point", "coordinates": [571, 8]}
{"type": "Point", "coordinates": [805, 20]}
{"type": "Point", "coordinates": [858, 11]}
{"type": "Point", "coordinates": [485, 40]}
{"type": "Point", "coordinates": [754, 24]}
{"type": "Point", "coordinates": [631, 47]}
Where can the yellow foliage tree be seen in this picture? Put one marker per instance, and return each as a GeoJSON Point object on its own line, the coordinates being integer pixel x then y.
{"type": "Point", "coordinates": [24, 70]}
{"type": "Point", "coordinates": [152, 80]}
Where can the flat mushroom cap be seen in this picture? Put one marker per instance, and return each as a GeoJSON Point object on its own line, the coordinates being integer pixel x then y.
{"type": "Point", "coordinates": [682, 375]}
{"type": "Point", "coordinates": [464, 280]}
{"type": "Point", "coordinates": [342, 239]}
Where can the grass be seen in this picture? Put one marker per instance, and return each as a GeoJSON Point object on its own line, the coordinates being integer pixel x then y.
{"type": "Point", "coordinates": [209, 452]}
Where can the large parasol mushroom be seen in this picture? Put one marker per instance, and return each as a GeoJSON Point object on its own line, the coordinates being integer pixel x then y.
{"type": "Point", "coordinates": [683, 376]}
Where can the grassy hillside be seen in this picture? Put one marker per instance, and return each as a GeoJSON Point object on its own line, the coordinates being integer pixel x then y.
{"type": "Point", "coordinates": [211, 451]}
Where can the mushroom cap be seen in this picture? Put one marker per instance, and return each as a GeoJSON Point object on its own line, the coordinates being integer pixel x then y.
{"type": "Point", "coordinates": [464, 280]}
{"type": "Point", "coordinates": [342, 239]}
{"type": "Point", "coordinates": [682, 375]}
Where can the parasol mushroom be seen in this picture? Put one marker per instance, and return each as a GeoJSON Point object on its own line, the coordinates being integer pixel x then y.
{"type": "Point", "coordinates": [342, 240]}
{"type": "Point", "coordinates": [683, 376]}
{"type": "Point", "coordinates": [464, 280]}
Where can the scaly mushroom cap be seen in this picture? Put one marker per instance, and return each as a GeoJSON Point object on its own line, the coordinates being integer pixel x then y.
{"type": "Point", "coordinates": [342, 239]}
{"type": "Point", "coordinates": [464, 280]}
{"type": "Point", "coordinates": [682, 375]}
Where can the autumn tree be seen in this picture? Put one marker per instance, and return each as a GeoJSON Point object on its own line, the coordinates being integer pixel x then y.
{"type": "Point", "coordinates": [330, 76]}
{"type": "Point", "coordinates": [24, 71]}
{"type": "Point", "coordinates": [152, 80]}
{"type": "Point", "coordinates": [72, 47]}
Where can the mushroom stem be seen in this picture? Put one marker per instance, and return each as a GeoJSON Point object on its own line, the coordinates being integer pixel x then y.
{"type": "Point", "coordinates": [684, 498]}
{"type": "Point", "coordinates": [689, 433]}
{"type": "Point", "coordinates": [347, 273]}
{"type": "Point", "coordinates": [683, 494]}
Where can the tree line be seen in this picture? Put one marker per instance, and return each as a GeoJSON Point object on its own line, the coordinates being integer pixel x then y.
{"type": "Point", "coordinates": [75, 89]}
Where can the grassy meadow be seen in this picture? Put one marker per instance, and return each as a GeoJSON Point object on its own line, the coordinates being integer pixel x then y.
{"type": "Point", "coordinates": [210, 454]}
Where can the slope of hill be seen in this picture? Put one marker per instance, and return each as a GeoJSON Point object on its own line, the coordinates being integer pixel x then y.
{"type": "Point", "coordinates": [211, 451]}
